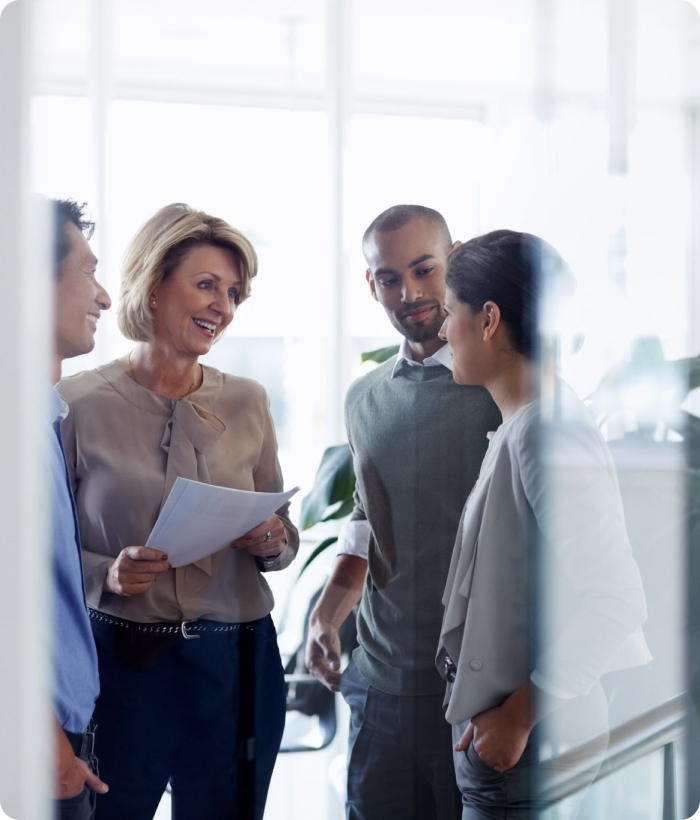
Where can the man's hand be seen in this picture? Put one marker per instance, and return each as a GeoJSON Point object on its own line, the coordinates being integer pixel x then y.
{"type": "Point", "coordinates": [135, 570]}
{"type": "Point", "coordinates": [323, 653]}
{"type": "Point", "coordinates": [72, 773]}
{"type": "Point", "coordinates": [74, 780]}
{"type": "Point", "coordinates": [256, 541]}
{"type": "Point", "coordinates": [499, 735]}
{"type": "Point", "coordinates": [342, 591]}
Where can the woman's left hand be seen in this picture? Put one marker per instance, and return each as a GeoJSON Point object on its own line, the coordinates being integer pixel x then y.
{"type": "Point", "coordinates": [256, 542]}
{"type": "Point", "coordinates": [499, 735]}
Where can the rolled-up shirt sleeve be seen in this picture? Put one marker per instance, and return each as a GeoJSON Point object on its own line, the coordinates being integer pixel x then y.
{"type": "Point", "coordinates": [355, 539]}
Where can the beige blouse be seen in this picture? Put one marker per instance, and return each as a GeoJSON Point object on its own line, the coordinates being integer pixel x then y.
{"type": "Point", "coordinates": [126, 445]}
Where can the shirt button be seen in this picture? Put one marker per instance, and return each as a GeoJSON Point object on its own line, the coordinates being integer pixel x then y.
{"type": "Point", "coordinates": [476, 664]}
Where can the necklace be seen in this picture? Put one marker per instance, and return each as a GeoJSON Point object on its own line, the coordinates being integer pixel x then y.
{"type": "Point", "coordinates": [190, 389]}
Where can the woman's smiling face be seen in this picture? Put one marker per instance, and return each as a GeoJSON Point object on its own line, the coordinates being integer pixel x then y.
{"type": "Point", "coordinates": [197, 301]}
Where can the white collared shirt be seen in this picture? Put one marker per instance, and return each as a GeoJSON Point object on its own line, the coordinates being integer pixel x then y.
{"type": "Point", "coordinates": [443, 357]}
{"type": "Point", "coordinates": [355, 538]}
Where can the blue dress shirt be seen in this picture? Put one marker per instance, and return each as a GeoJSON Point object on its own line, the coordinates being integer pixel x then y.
{"type": "Point", "coordinates": [75, 682]}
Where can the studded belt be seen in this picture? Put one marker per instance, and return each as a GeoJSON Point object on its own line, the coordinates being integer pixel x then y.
{"type": "Point", "coordinates": [188, 629]}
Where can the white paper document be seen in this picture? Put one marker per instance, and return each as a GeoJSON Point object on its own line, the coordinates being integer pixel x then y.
{"type": "Point", "coordinates": [199, 519]}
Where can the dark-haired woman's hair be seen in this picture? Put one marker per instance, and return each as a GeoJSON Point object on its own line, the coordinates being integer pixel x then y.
{"type": "Point", "coordinates": [513, 270]}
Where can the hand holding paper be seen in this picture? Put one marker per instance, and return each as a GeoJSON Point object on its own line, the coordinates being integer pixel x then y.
{"type": "Point", "coordinates": [135, 570]}
{"type": "Point", "coordinates": [265, 540]}
{"type": "Point", "coordinates": [199, 519]}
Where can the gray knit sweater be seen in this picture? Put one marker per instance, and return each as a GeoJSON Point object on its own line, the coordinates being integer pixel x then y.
{"type": "Point", "coordinates": [418, 441]}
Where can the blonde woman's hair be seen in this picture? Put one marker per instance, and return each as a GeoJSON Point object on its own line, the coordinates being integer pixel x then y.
{"type": "Point", "coordinates": [159, 247]}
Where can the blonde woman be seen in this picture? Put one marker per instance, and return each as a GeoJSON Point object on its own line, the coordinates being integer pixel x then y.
{"type": "Point", "coordinates": [192, 688]}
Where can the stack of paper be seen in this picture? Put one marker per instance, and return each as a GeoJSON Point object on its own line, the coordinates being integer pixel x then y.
{"type": "Point", "coordinates": [199, 519]}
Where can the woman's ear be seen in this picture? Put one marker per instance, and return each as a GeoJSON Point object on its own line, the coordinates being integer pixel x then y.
{"type": "Point", "coordinates": [491, 320]}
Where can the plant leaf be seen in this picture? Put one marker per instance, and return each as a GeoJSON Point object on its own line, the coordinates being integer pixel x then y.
{"type": "Point", "coordinates": [344, 508]}
{"type": "Point", "coordinates": [314, 555]}
{"type": "Point", "coordinates": [334, 482]}
{"type": "Point", "coordinates": [380, 355]}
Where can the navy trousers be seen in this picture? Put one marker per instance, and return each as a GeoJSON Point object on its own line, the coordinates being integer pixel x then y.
{"type": "Point", "coordinates": [399, 755]}
{"type": "Point", "coordinates": [205, 715]}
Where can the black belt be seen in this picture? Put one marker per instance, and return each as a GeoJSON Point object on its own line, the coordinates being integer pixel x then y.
{"type": "Point", "coordinates": [188, 629]}
{"type": "Point", "coordinates": [83, 744]}
{"type": "Point", "coordinates": [450, 669]}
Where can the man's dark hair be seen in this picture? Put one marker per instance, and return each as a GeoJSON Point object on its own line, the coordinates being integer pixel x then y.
{"type": "Point", "coordinates": [514, 270]}
{"type": "Point", "coordinates": [399, 215]}
{"type": "Point", "coordinates": [65, 211]}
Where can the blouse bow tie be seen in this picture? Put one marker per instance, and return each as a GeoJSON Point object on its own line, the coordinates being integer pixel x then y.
{"type": "Point", "coordinates": [190, 432]}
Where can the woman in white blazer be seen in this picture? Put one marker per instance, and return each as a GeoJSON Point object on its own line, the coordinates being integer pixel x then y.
{"type": "Point", "coordinates": [543, 595]}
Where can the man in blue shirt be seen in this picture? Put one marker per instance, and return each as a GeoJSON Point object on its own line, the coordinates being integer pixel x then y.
{"type": "Point", "coordinates": [78, 301]}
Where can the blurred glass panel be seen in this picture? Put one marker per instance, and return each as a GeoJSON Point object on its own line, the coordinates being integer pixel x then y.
{"type": "Point", "coordinates": [448, 48]}
{"type": "Point", "coordinates": [173, 44]}
{"type": "Point", "coordinates": [62, 32]}
{"type": "Point", "coordinates": [62, 157]}
{"type": "Point", "coordinates": [579, 46]}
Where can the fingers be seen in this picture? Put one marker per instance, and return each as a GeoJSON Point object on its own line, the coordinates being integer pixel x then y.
{"type": "Point", "coordinates": [322, 671]}
{"type": "Point", "coordinates": [71, 782]}
{"type": "Point", "coordinates": [144, 567]}
{"type": "Point", "coordinates": [327, 643]}
{"type": "Point", "coordinates": [93, 781]}
{"type": "Point", "coordinates": [331, 680]}
{"type": "Point", "coordinates": [140, 564]}
{"type": "Point", "coordinates": [466, 739]}
{"type": "Point", "coordinates": [323, 659]}
{"type": "Point", "coordinates": [256, 541]}
{"type": "Point", "coordinates": [262, 529]}
{"type": "Point", "coordinates": [126, 588]}
{"type": "Point", "coordinates": [143, 554]}
{"type": "Point", "coordinates": [272, 547]}
{"type": "Point", "coordinates": [135, 570]}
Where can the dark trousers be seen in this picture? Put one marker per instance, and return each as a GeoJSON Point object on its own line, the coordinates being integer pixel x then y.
{"type": "Point", "coordinates": [82, 805]}
{"type": "Point", "coordinates": [491, 795]}
{"type": "Point", "coordinates": [517, 793]}
{"type": "Point", "coordinates": [206, 715]}
{"type": "Point", "coordinates": [399, 757]}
